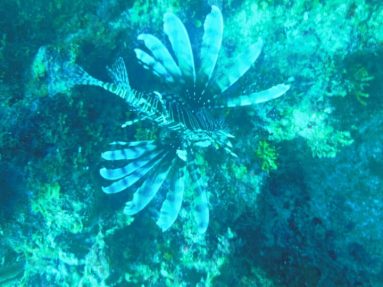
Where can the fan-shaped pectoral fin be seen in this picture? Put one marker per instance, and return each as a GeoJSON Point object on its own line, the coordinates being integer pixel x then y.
{"type": "Point", "coordinates": [201, 203]}
{"type": "Point", "coordinates": [211, 44]}
{"type": "Point", "coordinates": [179, 39]}
{"type": "Point", "coordinates": [258, 97]}
{"type": "Point", "coordinates": [161, 54]}
{"type": "Point", "coordinates": [149, 188]}
{"type": "Point", "coordinates": [132, 178]}
{"type": "Point", "coordinates": [173, 202]}
{"type": "Point", "coordinates": [156, 67]}
{"type": "Point", "coordinates": [238, 66]}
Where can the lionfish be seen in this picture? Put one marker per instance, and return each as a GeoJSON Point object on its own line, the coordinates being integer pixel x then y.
{"type": "Point", "coordinates": [183, 113]}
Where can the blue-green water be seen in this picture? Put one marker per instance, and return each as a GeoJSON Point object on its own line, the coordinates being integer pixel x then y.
{"type": "Point", "coordinates": [295, 201]}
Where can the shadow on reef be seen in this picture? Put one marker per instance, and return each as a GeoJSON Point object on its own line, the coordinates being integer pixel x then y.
{"type": "Point", "coordinates": [12, 191]}
{"type": "Point", "coordinates": [316, 222]}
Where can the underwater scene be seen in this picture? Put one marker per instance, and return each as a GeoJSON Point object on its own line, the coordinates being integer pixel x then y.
{"type": "Point", "coordinates": [191, 143]}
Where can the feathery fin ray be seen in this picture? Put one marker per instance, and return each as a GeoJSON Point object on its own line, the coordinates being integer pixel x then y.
{"type": "Point", "coordinates": [201, 204]}
{"type": "Point", "coordinates": [131, 152]}
{"type": "Point", "coordinates": [173, 202]}
{"type": "Point", "coordinates": [117, 173]}
{"type": "Point", "coordinates": [152, 64]}
{"type": "Point", "coordinates": [180, 42]}
{"type": "Point", "coordinates": [258, 97]}
{"type": "Point", "coordinates": [132, 178]}
{"type": "Point", "coordinates": [238, 66]}
{"type": "Point", "coordinates": [118, 73]}
{"type": "Point", "coordinates": [161, 54]}
{"type": "Point", "coordinates": [147, 190]}
{"type": "Point", "coordinates": [211, 44]}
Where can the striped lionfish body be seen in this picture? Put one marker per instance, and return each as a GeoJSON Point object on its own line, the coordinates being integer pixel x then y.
{"type": "Point", "coordinates": [183, 113]}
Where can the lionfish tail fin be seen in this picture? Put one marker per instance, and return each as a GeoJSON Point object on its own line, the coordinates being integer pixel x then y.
{"type": "Point", "coordinates": [62, 72]}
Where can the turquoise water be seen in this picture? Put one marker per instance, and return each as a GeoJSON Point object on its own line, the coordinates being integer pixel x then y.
{"type": "Point", "coordinates": [278, 188]}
